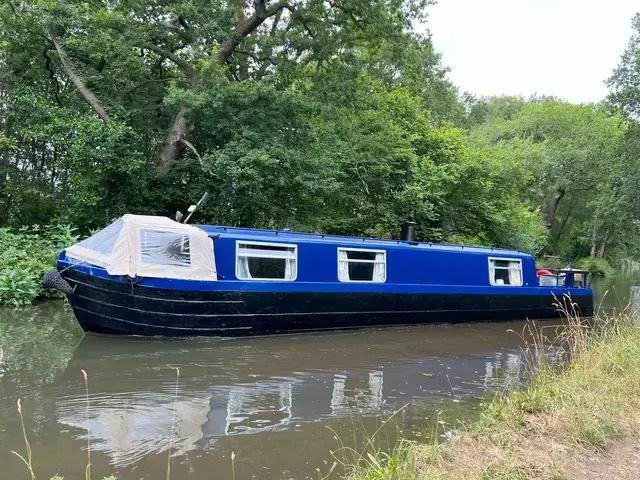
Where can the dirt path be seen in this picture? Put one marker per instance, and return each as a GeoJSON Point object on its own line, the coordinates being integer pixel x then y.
{"type": "Point", "coordinates": [620, 462]}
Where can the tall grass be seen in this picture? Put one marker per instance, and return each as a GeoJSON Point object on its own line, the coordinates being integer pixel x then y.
{"type": "Point", "coordinates": [583, 394]}
{"type": "Point", "coordinates": [591, 379]}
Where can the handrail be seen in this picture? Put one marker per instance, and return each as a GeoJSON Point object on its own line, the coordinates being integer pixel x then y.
{"type": "Point", "coordinates": [567, 270]}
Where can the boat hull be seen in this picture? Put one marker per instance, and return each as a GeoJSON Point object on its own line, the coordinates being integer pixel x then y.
{"type": "Point", "coordinates": [110, 307]}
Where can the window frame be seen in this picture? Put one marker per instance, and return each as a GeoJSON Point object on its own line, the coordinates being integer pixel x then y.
{"type": "Point", "coordinates": [505, 259]}
{"type": "Point", "coordinates": [266, 244]}
{"type": "Point", "coordinates": [368, 250]}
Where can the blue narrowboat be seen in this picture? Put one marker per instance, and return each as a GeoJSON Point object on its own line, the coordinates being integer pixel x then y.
{"type": "Point", "coordinates": [146, 275]}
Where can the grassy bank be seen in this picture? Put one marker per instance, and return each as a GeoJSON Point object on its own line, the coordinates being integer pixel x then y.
{"type": "Point", "coordinates": [578, 417]}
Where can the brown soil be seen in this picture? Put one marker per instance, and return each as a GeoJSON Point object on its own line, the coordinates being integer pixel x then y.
{"type": "Point", "coordinates": [543, 452]}
{"type": "Point", "coordinates": [620, 462]}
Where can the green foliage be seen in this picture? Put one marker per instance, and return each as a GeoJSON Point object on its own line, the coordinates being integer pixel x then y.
{"type": "Point", "coordinates": [598, 267]}
{"type": "Point", "coordinates": [338, 118]}
{"type": "Point", "coordinates": [335, 117]}
{"type": "Point", "coordinates": [567, 161]}
{"type": "Point", "coordinates": [397, 465]}
{"type": "Point", "coordinates": [24, 257]}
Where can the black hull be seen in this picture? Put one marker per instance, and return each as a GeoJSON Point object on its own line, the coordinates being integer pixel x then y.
{"type": "Point", "coordinates": [103, 306]}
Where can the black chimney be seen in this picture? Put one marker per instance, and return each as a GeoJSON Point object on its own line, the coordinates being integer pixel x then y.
{"type": "Point", "coordinates": [409, 231]}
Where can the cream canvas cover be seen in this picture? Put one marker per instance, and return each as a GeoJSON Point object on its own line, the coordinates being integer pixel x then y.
{"type": "Point", "coordinates": [148, 246]}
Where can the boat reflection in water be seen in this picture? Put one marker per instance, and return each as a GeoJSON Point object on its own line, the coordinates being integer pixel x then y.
{"type": "Point", "coordinates": [232, 388]}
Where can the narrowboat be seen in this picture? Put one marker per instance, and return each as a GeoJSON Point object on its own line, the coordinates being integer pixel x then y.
{"type": "Point", "coordinates": [148, 275]}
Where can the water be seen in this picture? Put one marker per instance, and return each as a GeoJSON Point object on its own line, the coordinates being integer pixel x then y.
{"type": "Point", "coordinates": [280, 404]}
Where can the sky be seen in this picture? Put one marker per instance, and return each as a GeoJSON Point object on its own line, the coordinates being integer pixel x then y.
{"type": "Point", "coordinates": [565, 48]}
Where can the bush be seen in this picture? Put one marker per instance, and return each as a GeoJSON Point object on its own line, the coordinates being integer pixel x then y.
{"type": "Point", "coordinates": [598, 267]}
{"type": "Point", "coordinates": [552, 262]}
{"type": "Point", "coordinates": [24, 257]}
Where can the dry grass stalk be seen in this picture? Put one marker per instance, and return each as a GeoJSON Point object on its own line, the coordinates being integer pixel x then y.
{"type": "Point", "coordinates": [27, 462]}
{"type": "Point", "coordinates": [173, 423]}
{"type": "Point", "coordinates": [86, 391]}
{"type": "Point", "coordinates": [233, 466]}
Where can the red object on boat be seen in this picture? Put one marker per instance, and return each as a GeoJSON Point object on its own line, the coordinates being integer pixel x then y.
{"type": "Point", "coordinates": [543, 272]}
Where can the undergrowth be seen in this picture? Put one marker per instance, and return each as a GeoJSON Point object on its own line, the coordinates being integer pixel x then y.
{"type": "Point", "coordinates": [24, 257]}
{"type": "Point", "coordinates": [583, 395]}
{"type": "Point", "coordinates": [598, 267]}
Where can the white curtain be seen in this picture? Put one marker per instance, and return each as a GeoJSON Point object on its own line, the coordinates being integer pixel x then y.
{"type": "Point", "coordinates": [290, 268]}
{"type": "Point", "coordinates": [242, 269]}
{"type": "Point", "coordinates": [379, 269]}
{"type": "Point", "coordinates": [515, 273]}
{"type": "Point", "coordinates": [343, 266]}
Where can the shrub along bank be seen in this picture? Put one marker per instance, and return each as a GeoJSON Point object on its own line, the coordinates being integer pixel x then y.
{"type": "Point", "coordinates": [578, 421]}
{"type": "Point", "coordinates": [24, 257]}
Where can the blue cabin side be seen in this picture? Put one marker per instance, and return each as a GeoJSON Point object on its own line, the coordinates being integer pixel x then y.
{"type": "Point", "coordinates": [407, 263]}
{"type": "Point", "coordinates": [411, 267]}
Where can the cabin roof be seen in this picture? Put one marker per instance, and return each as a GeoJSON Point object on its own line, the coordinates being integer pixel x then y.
{"type": "Point", "coordinates": [263, 235]}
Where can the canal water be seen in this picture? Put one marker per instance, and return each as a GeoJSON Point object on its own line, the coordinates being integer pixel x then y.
{"type": "Point", "coordinates": [279, 405]}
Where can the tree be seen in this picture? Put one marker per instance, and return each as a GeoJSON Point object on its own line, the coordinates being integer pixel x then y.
{"type": "Point", "coordinates": [572, 155]}
{"type": "Point", "coordinates": [173, 80]}
{"type": "Point", "coordinates": [625, 80]}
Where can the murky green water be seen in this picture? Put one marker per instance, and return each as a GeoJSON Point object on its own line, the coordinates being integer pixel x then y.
{"type": "Point", "coordinates": [277, 403]}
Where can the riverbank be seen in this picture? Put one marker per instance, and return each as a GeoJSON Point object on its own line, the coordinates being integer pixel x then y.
{"type": "Point", "coordinates": [578, 421]}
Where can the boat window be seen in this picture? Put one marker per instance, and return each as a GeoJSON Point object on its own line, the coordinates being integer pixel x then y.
{"type": "Point", "coordinates": [360, 265]}
{"type": "Point", "coordinates": [505, 271]}
{"type": "Point", "coordinates": [104, 240]}
{"type": "Point", "coordinates": [266, 261]}
{"type": "Point", "coordinates": [165, 248]}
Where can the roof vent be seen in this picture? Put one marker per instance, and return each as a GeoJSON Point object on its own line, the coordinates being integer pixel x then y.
{"type": "Point", "coordinates": [409, 231]}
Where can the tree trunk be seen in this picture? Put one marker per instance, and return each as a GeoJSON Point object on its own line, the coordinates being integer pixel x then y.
{"type": "Point", "coordinates": [4, 172]}
{"type": "Point", "coordinates": [174, 144]}
{"type": "Point", "coordinates": [550, 212]}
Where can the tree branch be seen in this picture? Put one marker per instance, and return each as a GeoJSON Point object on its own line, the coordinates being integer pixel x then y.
{"type": "Point", "coordinates": [296, 15]}
{"type": "Point", "coordinates": [180, 27]}
{"type": "Point", "coordinates": [255, 58]}
{"type": "Point", "coordinates": [157, 80]}
{"type": "Point", "coordinates": [85, 93]}
{"type": "Point", "coordinates": [244, 29]}
{"type": "Point", "coordinates": [186, 67]}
